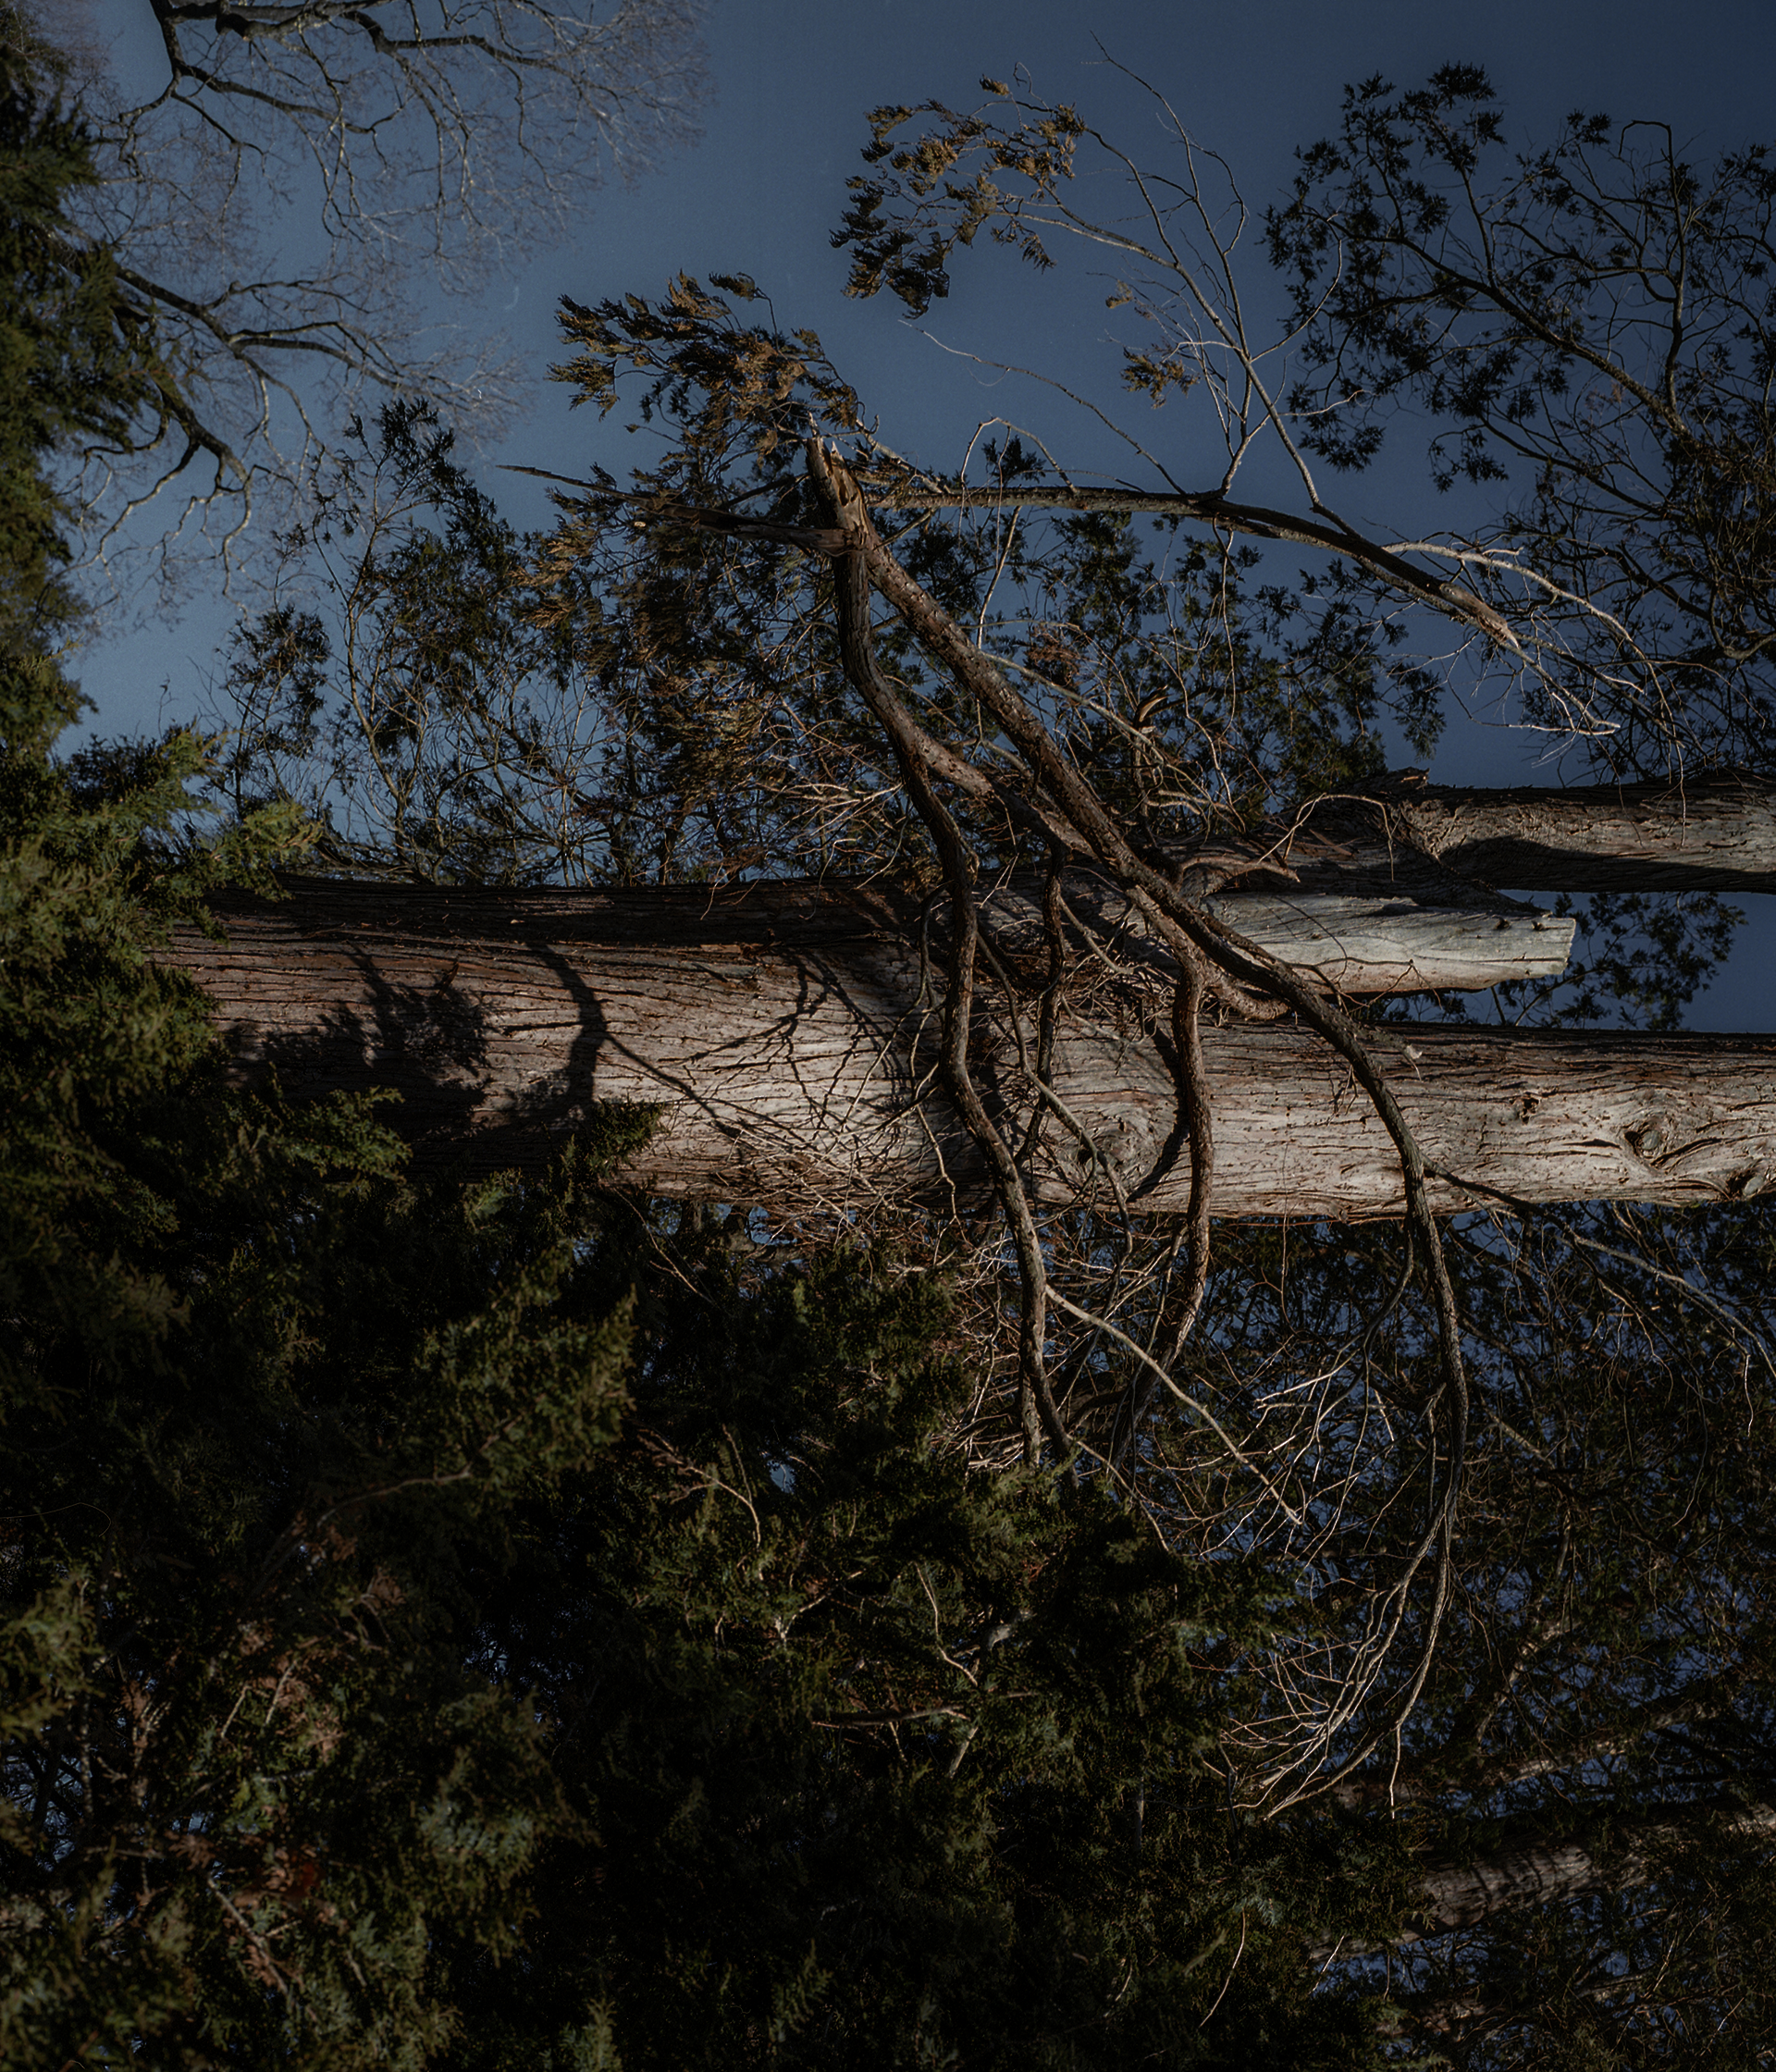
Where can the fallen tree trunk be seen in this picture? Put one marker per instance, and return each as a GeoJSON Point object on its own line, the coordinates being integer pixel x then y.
{"type": "Point", "coordinates": [1541, 1873]}
{"type": "Point", "coordinates": [787, 1035]}
{"type": "Point", "coordinates": [1713, 833]}
{"type": "Point", "coordinates": [1535, 1871]}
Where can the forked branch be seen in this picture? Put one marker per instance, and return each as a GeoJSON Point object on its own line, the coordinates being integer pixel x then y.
{"type": "Point", "coordinates": [1201, 945]}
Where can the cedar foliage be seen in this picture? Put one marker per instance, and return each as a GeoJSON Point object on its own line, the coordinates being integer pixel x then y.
{"type": "Point", "coordinates": [470, 1625]}
{"type": "Point", "coordinates": [255, 1390]}
{"type": "Point", "coordinates": [462, 1625]}
{"type": "Point", "coordinates": [72, 366]}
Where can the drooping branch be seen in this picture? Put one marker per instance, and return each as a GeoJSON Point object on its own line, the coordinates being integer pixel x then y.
{"type": "Point", "coordinates": [1197, 938]}
{"type": "Point", "coordinates": [851, 585]}
{"type": "Point", "coordinates": [1215, 509]}
{"type": "Point", "coordinates": [1206, 507]}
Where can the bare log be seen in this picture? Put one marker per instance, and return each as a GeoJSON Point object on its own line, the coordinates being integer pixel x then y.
{"type": "Point", "coordinates": [1540, 1873]}
{"type": "Point", "coordinates": [1714, 833]}
{"type": "Point", "coordinates": [787, 1035]}
{"type": "Point", "coordinates": [1531, 1870]}
{"type": "Point", "coordinates": [1368, 945]}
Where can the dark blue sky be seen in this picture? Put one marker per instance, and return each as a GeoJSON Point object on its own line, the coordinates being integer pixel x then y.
{"type": "Point", "coordinates": [1252, 79]}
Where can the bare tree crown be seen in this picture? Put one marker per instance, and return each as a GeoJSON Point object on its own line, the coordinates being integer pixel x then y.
{"type": "Point", "coordinates": [315, 185]}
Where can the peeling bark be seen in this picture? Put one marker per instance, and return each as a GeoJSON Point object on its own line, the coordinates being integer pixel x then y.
{"type": "Point", "coordinates": [788, 1034]}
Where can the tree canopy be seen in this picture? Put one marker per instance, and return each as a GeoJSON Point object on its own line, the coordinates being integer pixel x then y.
{"type": "Point", "coordinates": [468, 1623]}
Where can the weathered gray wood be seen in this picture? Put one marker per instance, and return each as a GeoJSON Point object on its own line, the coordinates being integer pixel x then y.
{"type": "Point", "coordinates": [1714, 833]}
{"type": "Point", "coordinates": [1530, 1870]}
{"type": "Point", "coordinates": [784, 1031]}
{"type": "Point", "coordinates": [1539, 1873]}
{"type": "Point", "coordinates": [1366, 943]}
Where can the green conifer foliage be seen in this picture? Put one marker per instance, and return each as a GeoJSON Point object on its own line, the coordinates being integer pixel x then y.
{"type": "Point", "coordinates": [76, 362]}
{"type": "Point", "coordinates": [257, 1393]}
{"type": "Point", "coordinates": [363, 1703]}
{"type": "Point", "coordinates": [878, 1761]}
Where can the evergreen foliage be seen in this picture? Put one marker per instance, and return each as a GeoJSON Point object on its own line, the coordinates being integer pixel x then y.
{"type": "Point", "coordinates": [72, 363]}
{"type": "Point", "coordinates": [255, 1391]}
{"type": "Point", "coordinates": [883, 1761]}
{"type": "Point", "coordinates": [626, 702]}
{"type": "Point", "coordinates": [473, 1626]}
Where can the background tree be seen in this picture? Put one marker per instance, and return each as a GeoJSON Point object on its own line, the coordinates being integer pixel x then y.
{"type": "Point", "coordinates": [1590, 325]}
{"type": "Point", "coordinates": [423, 147]}
{"type": "Point", "coordinates": [76, 363]}
{"type": "Point", "coordinates": [170, 1562]}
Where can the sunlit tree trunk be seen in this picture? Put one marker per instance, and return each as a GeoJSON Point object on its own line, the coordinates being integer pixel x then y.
{"type": "Point", "coordinates": [787, 1036]}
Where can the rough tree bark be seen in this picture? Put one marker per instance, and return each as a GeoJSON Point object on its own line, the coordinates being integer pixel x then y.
{"type": "Point", "coordinates": [1531, 1871]}
{"type": "Point", "coordinates": [1715, 833]}
{"type": "Point", "coordinates": [787, 1034]}
{"type": "Point", "coordinates": [1540, 1873]}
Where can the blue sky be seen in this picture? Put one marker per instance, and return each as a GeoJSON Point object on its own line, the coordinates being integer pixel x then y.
{"type": "Point", "coordinates": [1252, 78]}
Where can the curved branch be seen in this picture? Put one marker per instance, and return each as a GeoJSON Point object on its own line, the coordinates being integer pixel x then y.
{"type": "Point", "coordinates": [851, 585]}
